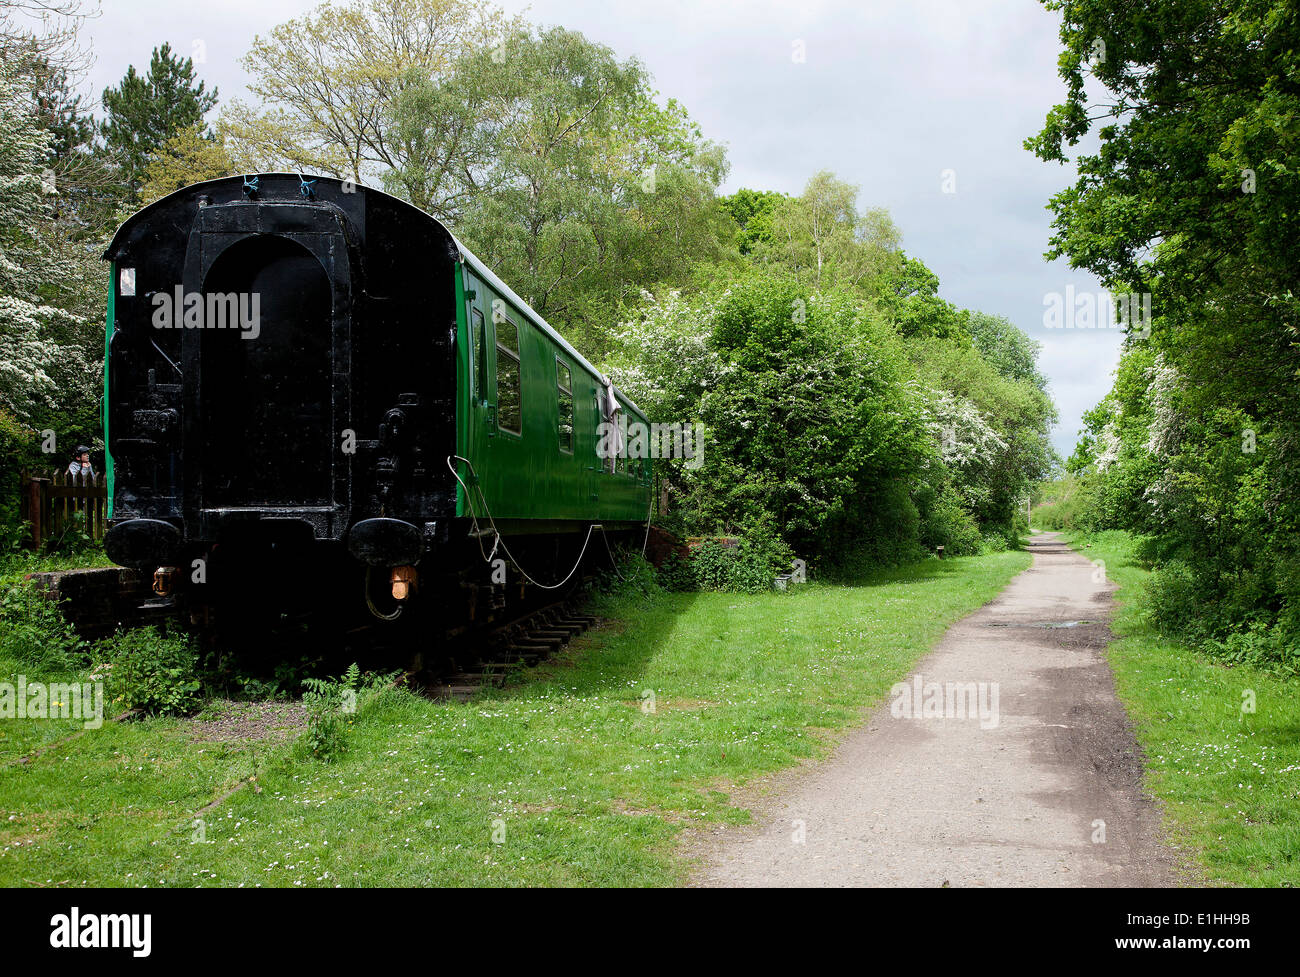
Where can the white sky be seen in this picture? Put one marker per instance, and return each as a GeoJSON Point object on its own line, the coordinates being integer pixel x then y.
{"type": "Point", "coordinates": [892, 93]}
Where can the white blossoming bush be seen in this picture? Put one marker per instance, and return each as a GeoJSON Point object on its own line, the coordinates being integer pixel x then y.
{"type": "Point", "coordinates": [968, 445]}
{"type": "Point", "coordinates": [32, 360]}
{"type": "Point", "coordinates": [812, 433]}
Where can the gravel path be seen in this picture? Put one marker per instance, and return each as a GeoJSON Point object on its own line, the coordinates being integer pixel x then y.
{"type": "Point", "coordinates": [1048, 793]}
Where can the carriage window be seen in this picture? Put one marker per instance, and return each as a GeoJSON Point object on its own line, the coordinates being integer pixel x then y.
{"type": "Point", "coordinates": [564, 385]}
{"type": "Point", "coordinates": [509, 412]}
{"type": "Point", "coordinates": [480, 354]}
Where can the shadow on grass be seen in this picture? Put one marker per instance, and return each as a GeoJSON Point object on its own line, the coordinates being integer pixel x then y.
{"type": "Point", "coordinates": [615, 657]}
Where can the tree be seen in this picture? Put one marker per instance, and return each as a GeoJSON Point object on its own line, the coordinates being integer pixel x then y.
{"type": "Point", "coordinates": [993, 428]}
{"type": "Point", "coordinates": [39, 364]}
{"type": "Point", "coordinates": [752, 211]}
{"type": "Point", "coordinates": [86, 179]}
{"type": "Point", "coordinates": [362, 91]}
{"type": "Point", "coordinates": [50, 279]}
{"type": "Point", "coordinates": [908, 294]}
{"type": "Point", "coordinates": [145, 112]}
{"type": "Point", "coordinates": [56, 44]}
{"type": "Point", "coordinates": [810, 428]}
{"type": "Point", "coordinates": [1012, 353]}
{"type": "Point", "coordinates": [1191, 196]}
{"type": "Point", "coordinates": [821, 240]}
{"type": "Point", "coordinates": [596, 190]}
{"type": "Point", "coordinates": [188, 157]}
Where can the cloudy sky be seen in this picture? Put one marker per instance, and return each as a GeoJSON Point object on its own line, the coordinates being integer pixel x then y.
{"type": "Point", "coordinates": [889, 94]}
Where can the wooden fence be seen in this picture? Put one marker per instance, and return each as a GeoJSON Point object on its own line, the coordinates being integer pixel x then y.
{"type": "Point", "coordinates": [64, 502]}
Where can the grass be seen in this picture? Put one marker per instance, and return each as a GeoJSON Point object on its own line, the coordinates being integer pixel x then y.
{"type": "Point", "coordinates": [17, 563]}
{"type": "Point", "coordinates": [581, 772]}
{"type": "Point", "coordinates": [1229, 779]}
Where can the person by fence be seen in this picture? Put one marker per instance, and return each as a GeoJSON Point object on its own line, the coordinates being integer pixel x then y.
{"type": "Point", "coordinates": [80, 464]}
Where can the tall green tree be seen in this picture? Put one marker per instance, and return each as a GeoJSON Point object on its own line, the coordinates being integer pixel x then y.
{"type": "Point", "coordinates": [370, 90]}
{"type": "Point", "coordinates": [596, 189]}
{"type": "Point", "coordinates": [144, 112]}
{"type": "Point", "coordinates": [1192, 196]}
{"type": "Point", "coordinates": [752, 211]}
{"type": "Point", "coordinates": [821, 238]}
{"type": "Point", "coordinates": [1012, 353]}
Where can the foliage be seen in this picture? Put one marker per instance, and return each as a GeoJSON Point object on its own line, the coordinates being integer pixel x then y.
{"type": "Point", "coordinates": [805, 415]}
{"type": "Point", "coordinates": [51, 334]}
{"type": "Point", "coordinates": [1064, 504]}
{"type": "Point", "coordinates": [33, 631]}
{"type": "Point", "coordinates": [153, 672]}
{"type": "Point", "coordinates": [676, 574]}
{"type": "Point", "coordinates": [1192, 197]}
{"type": "Point", "coordinates": [992, 427]}
{"type": "Point", "coordinates": [190, 156]}
{"type": "Point", "coordinates": [37, 360]}
{"type": "Point", "coordinates": [370, 88]}
{"type": "Point", "coordinates": [821, 240]}
{"type": "Point", "coordinates": [331, 705]}
{"type": "Point", "coordinates": [144, 112]}
{"type": "Point", "coordinates": [860, 446]}
{"type": "Point", "coordinates": [945, 522]}
{"type": "Point", "coordinates": [747, 565]}
{"type": "Point", "coordinates": [633, 575]}
{"type": "Point", "coordinates": [909, 297]}
{"type": "Point", "coordinates": [1005, 348]}
{"type": "Point", "coordinates": [752, 212]}
{"type": "Point", "coordinates": [595, 188]}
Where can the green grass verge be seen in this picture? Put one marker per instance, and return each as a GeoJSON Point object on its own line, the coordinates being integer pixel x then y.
{"type": "Point", "coordinates": [16, 564]}
{"type": "Point", "coordinates": [580, 781]}
{"type": "Point", "coordinates": [1229, 779]}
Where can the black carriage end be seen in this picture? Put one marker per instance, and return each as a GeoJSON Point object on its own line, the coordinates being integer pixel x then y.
{"type": "Point", "coordinates": [279, 359]}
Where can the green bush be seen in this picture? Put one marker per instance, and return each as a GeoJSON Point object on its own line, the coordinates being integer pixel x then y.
{"type": "Point", "coordinates": [1259, 645]}
{"type": "Point", "coordinates": [677, 573]}
{"type": "Point", "coordinates": [632, 575]}
{"type": "Point", "coordinates": [1175, 601]}
{"type": "Point", "coordinates": [711, 563]}
{"type": "Point", "coordinates": [943, 522]}
{"type": "Point", "coordinates": [748, 565]}
{"type": "Point", "coordinates": [152, 672]}
{"type": "Point", "coordinates": [34, 633]}
{"type": "Point", "coordinates": [332, 705]}
{"type": "Point", "coordinates": [994, 543]}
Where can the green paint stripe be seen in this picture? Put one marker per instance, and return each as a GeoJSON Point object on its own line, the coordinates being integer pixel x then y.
{"type": "Point", "coordinates": [462, 379]}
{"type": "Point", "coordinates": [108, 337]}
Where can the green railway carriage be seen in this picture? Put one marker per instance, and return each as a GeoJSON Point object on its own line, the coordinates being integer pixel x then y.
{"type": "Point", "coordinates": [531, 407]}
{"type": "Point", "coordinates": [308, 378]}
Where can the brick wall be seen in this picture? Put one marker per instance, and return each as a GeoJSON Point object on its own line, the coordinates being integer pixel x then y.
{"type": "Point", "coordinates": [97, 602]}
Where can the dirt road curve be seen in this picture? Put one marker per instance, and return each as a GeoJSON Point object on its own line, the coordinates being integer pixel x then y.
{"type": "Point", "coordinates": [1043, 791]}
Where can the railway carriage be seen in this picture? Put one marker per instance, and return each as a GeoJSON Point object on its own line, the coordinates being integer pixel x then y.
{"type": "Point", "coordinates": [308, 380]}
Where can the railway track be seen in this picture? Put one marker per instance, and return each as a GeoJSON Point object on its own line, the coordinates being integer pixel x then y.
{"type": "Point", "coordinates": [521, 643]}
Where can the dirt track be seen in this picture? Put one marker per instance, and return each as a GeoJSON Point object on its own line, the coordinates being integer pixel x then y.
{"type": "Point", "coordinates": [941, 800]}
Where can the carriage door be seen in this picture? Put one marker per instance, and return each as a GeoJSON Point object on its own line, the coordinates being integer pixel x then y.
{"type": "Point", "coordinates": [266, 397]}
